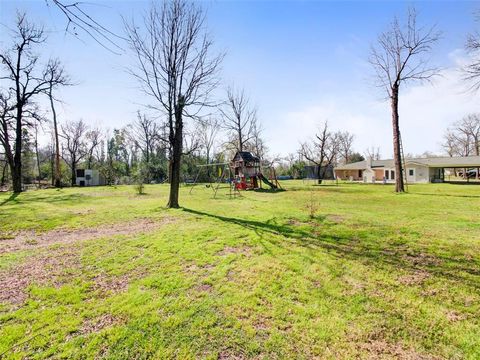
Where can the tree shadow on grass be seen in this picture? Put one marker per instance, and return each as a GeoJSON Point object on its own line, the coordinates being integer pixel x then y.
{"type": "Point", "coordinates": [446, 195]}
{"type": "Point", "coordinates": [11, 198]}
{"type": "Point", "coordinates": [348, 246]}
{"type": "Point", "coordinates": [269, 190]}
{"type": "Point", "coordinates": [53, 198]}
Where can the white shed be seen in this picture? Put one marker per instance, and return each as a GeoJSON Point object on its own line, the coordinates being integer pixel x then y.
{"type": "Point", "coordinates": [89, 177]}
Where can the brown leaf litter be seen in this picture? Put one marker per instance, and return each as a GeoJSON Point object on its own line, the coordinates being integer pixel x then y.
{"type": "Point", "coordinates": [56, 266]}
{"type": "Point", "coordinates": [245, 250]}
{"type": "Point", "coordinates": [380, 349]}
{"type": "Point", "coordinates": [27, 240]}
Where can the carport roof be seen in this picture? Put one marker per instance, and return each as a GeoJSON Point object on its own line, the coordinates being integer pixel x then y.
{"type": "Point", "coordinates": [434, 162]}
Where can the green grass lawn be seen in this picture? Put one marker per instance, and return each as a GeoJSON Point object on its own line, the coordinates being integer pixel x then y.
{"type": "Point", "coordinates": [372, 275]}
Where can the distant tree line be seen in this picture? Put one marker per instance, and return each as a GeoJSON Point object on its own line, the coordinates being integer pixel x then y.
{"type": "Point", "coordinates": [183, 124]}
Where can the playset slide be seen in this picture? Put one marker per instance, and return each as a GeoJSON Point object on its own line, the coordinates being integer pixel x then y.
{"type": "Point", "coordinates": [266, 181]}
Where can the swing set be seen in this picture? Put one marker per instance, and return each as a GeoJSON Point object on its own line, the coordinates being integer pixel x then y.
{"type": "Point", "coordinates": [224, 176]}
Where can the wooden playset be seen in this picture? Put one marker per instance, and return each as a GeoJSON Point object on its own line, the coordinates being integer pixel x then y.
{"type": "Point", "coordinates": [247, 171]}
{"type": "Point", "coordinates": [244, 172]}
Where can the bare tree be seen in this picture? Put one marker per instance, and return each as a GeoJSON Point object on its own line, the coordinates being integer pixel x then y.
{"type": "Point", "coordinates": [373, 153]}
{"type": "Point", "coordinates": [470, 127]}
{"type": "Point", "coordinates": [55, 76]}
{"type": "Point", "coordinates": [450, 143]}
{"type": "Point", "coordinates": [3, 172]}
{"type": "Point", "coordinates": [174, 68]}
{"type": "Point", "coordinates": [75, 148]}
{"type": "Point", "coordinates": [79, 20]}
{"type": "Point", "coordinates": [346, 145]}
{"type": "Point", "coordinates": [239, 118]}
{"type": "Point", "coordinates": [257, 142]}
{"type": "Point", "coordinates": [145, 134]}
{"type": "Point", "coordinates": [400, 58]}
{"type": "Point", "coordinates": [322, 150]}
{"type": "Point", "coordinates": [208, 131]}
{"type": "Point", "coordinates": [463, 138]}
{"type": "Point", "coordinates": [472, 69]}
{"type": "Point", "coordinates": [21, 70]}
{"type": "Point", "coordinates": [93, 140]}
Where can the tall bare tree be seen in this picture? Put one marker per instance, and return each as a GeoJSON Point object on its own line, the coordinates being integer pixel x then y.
{"type": "Point", "coordinates": [145, 133]}
{"type": "Point", "coordinates": [93, 140]}
{"type": "Point", "coordinates": [373, 153]}
{"type": "Point", "coordinates": [55, 76]}
{"type": "Point", "coordinates": [79, 20]}
{"type": "Point", "coordinates": [175, 68]}
{"type": "Point", "coordinates": [400, 57]}
{"type": "Point", "coordinates": [472, 69]}
{"type": "Point", "coordinates": [322, 150]}
{"type": "Point", "coordinates": [238, 118]}
{"type": "Point", "coordinates": [346, 145]}
{"type": "Point", "coordinates": [20, 65]}
{"type": "Point", "coordinates": [75, 148]}
{"type": "Point", "coordinates": [463, 138]}
{"type": "Point", "coordinates": [470, 127]}
{"type": "Point", "coordinates": [257, 142]}
{"type": "Point", "coordinates": [208, 131]}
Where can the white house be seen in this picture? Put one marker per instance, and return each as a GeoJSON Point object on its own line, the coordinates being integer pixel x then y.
{"type": "Point", "coordinates": [419, 170]}
{"type": "Point", "coordinates": [89, 177]}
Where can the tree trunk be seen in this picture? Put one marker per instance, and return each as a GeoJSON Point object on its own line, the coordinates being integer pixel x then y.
{"type": "Point", "coordinates": [208, 162]}
{"type": "Point", "coordinates": [240, 138]}
{"type": "Point", "coordinates": [175, 161]}
{"type": "Point", "coordinates": [57, 175]}
{"type": "Point", "coordinates": [36, 155]}
{"type": "Point", "coordinates": [74, 174]}
{"type": "Point", "coordinates": [397, 156]}
{"type": "Point", "coordinates": [17, 178]}
{"type": "Point", "coordinates": [319, 174]}
{"type": "Point", "coordinates": [17, 158]}
{"type": "Point", "coordinates": [4, 174]}
{"type": "Point", "coordinates": [52, 167]}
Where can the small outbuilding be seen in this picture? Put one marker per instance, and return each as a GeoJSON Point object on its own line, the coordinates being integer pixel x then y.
{"type": "Point", "coordinates": [89, 177]}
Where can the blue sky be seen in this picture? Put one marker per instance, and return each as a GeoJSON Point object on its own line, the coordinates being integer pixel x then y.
{"type": "Point", "coordinates": [301, 62]}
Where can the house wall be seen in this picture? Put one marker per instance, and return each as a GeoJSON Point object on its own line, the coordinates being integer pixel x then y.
{"type": "Point", "coordinates": [378, 174]}
{"type": "Point", "coordinates": [349, 174]}
{"type": "Point", "coordinates": [421, 174]}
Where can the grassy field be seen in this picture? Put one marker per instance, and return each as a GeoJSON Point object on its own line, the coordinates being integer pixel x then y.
{"type": "Point", "coordinates": [348, 271]}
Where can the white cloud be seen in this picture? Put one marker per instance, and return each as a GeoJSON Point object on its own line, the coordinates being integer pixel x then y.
{"type": "Point", "coordinates": [426, 110]}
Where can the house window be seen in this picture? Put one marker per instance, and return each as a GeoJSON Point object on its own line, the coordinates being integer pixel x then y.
{"type": "Point", "coordinates": [386, 174]}
{"type": "Point", "coordinates": [392, 174]}
{"type": "Point", "coordinates": [411, 172]}
{"type": "Point", "coordinates": [80, 172]}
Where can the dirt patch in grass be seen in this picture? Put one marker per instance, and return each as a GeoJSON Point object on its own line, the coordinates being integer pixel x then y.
{"type": "Point", "coordinates": [28, 240]}
{"type": "Point", "coordinates": [97, 324]}
{"type": "Point", "coordinates": [193, 268]}
{"type": "Point", "coordinates": [230, 355]}
{"type": "Point", "coordinates": [336, 218]}
{"type": "Point", "coordinates": [454, 316]}
{"type": "Point", "coordinates": [380, 349]}
{"type": "Point", "coordinates": [421, 259]}
{"type": "Point", "coordinates": [56, 267]}
{"type": "Point", "coordinates": [104, 284]}
{"type": "Point", "coordinates": [416, 278]}
{"type": "Point", "coordinates": [204, 288]}
{"type": "Point", "coordinates": [227, 250]}
{"type": "Point", "coordinates": [53, 268]}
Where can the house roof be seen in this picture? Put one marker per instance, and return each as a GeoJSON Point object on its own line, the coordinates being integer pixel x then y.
{"type": "Point", "coordinates": [246, 156]}
{"type": "Point", "coordinates": [434, 162]}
